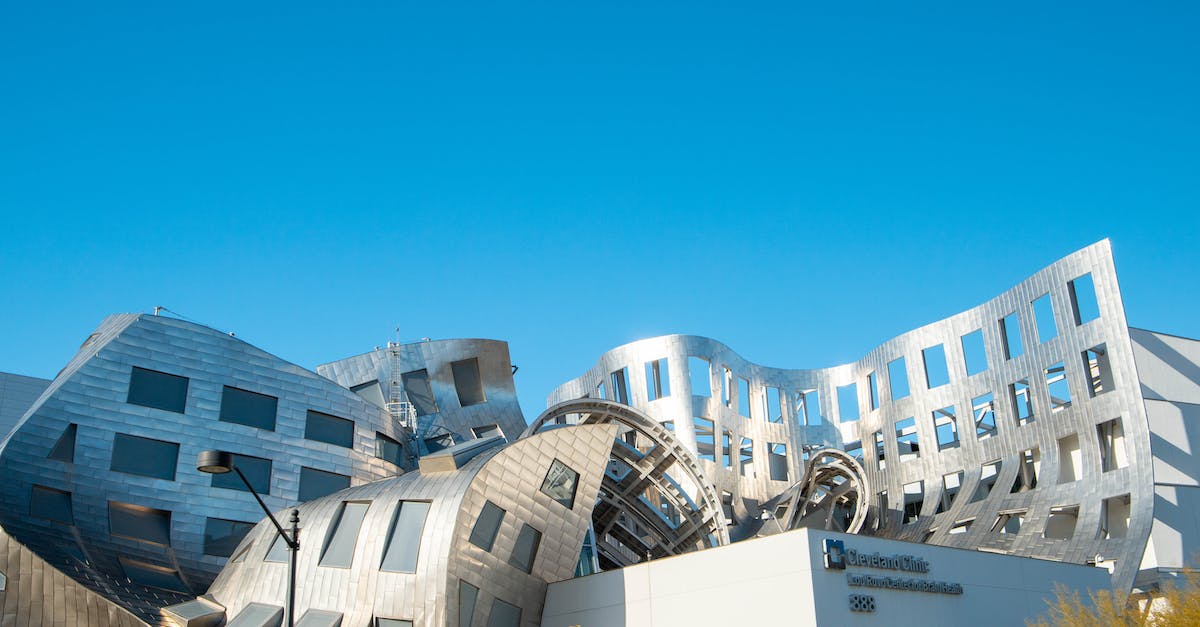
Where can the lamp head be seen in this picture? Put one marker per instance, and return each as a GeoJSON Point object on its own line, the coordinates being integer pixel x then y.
{"type": "Point", "coordinates": [214, 462]}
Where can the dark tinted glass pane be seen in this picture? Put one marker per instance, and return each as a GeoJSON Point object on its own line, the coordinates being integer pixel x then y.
{"type": "Point", "coordinates": [467, 595]}
{"type": "Point", "coordinates": [325, 428]}
{"type": "Point", "coordinates": [279, 549]}
{"type": "Point", "coordinates": [526, 548]}
{"type": "Point", "coordinates": [392, 622]}
{"type": "Point", "coordinates": [222, 536]}
{"type": "Point", "coordinates": [467, 382]}
{"type": "Point", "coordinates": [317, 483]}
{"type": "Point", "coordinates": [256, 469]}
{"type": "Point", "coordinates": [438, 443]}
{"type": "Point", "coordinates": [416, 386]}
{"type": "Point", "coordinates": [258, 615]}
{"type": "Point", "coordinates": [320, 618]}
{"type": "Point", "coordinates": [64, 449]}
{"type": "Point", "coordinates": [486, 526]}
{"type": "Point", "coordinates": [143, 456]}
{"type": "Point", "coordinates": [51, 504]}
{"type": "Point", "coordinates": [388, 449]}
{"type": "Point", "coordinates": [139, 523]}
{"type": "Point", "coordinates": [151, 388]}
{"type": "Point", "coordinates": [248, 408]}
{"type": "Point", "coordinates": [370, 392]}
{"type": "Point", "coordinates": [151, 575]}
{"type": "Point", "coordinates": [504, 615]}
{"type": "Point", "coordinates": [405, 541]}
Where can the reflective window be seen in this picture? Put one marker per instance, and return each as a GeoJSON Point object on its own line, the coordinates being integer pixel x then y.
{"type": "Point", "coordinates": [343, 535]}
{"type": "Point", "coordinates": [467, 595]}
{"type": "Point", "coordinates": [248, 408]}
{"type": "Point", "coordinates": [64, 448]}
{"type": "Point", "coordinates": [371, 392]}
{"type": "Point", "coordinates": [258, 615]}
{"type": "Point", "coordinates": [50, 504]}
{"type": "Point", "coordinates": [256, 469]}
{"type": "Point", "coordinates": [525, 550]}
{"type": "Point", "coordinates": [160, 390]}
{"type": "Point", "coordinates": [323, 427]}
{"type": "Point", "coordinates": [317, 483]}
{"type": "Point", "coordinates": [439, 442]}
{"type": "Point", "coordinates": [139, 523]}
{"type": "Point", "coordinates": [143, 456]}
{"type": "Point", "coordinates": [560, 484]}
{"type": "Point", "coordinates": [404, 542]}
{"type": "Point", "coordinates": [416, 387]}
{"type": "Point", "coordinates": [467, 382]}
{"type": "Point", "coordinates": [320, 618]}
{"type": "Point", "coordinates": [279, 549]}
{"type": "Point", "coordinates": [153, 575]}
{"type": "Point", "coordinates": [222, 537]}
{"type": "Point", "coordinates": [483, 535]}
{"type": "Point", "coordinates": [392, 622]}
{"type": "Point", "coordinates": [487, 431]}
{"type": "Point", "coordinates": [504, 615]}
{"type": "Point", "coordinates": [388, 449]}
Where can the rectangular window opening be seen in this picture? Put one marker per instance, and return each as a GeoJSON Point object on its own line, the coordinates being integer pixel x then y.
{"type": "Point", "coordinates": [1061, 523]}
{"type": "Point", "coordinates": [743, 398]}
{"type": "Point", "coordinates": [1010, 336]}
{"type": "Point", "coordinates": [1030, 467]}
{"type": "Point", "coordinates": [951, 485]}
{"type": "Point", "coordinates": [700, 376]}
{"type": "Point", "coordinates": [974, 352]}
{"type": "Point", "coordinates": [773, 408]}
{"type": "Point", "coordinates": [914, 499]}
{"type": "Point", "coordinates": [746, 458]}
{"type": "Point", "coordinates": [619, 382]}
{"type": "Point", "coordinates": [144, 456]}
{"type": "Point", "coordinates": [1009, 522]}
{"type": "Point", "coordinates": [726, 448]}
{"type": "Point", "coordinates": [525, 549]}
{"type": "Point", "coordinates": [808, 408]}
{"type": "Point", "coordinates": [151, 388]}
{"type": "Point", "coordinates": [777, 461]}
{"type": "Point", "coordinates": [487, 431]}
{"type": "Point", "coordinates": [139, 523]}
{"type": "Point", "coordinates": [389, 449]}
{"type": "Point", "coordinates": [1056, 385]}
{"type": "Point", "coordinates": [658, 379]}
{"type": "Point", "coordinates": [419, 393]}
{"type": "Point", "coordinates": [51, 504]}
{"type": "Point", "coordinates": [256, 469]}
{"type": "Point", "coordinates": [1043, 317]}
{"type": "Point", "coordinates": [984, 409]}
{"type": "Point", "coordinates": [937, 373]}
{"type": "Point", "coordinates": [1022, 401]}
{"type": "Point", "coordinates": [987, 479]}
{"type": "Point", "coordinates": [880, 453]}
{"type": "Point", "coordinates": [1070, 459]}
{"type": "Point", "coordinates": [872, 392]}
{"type": "Point", "coordinates": [961, 526]}
{"type": "Point", "coordinates": [705, 446]}
{"type": "Point", "coordinates": [248, 408]}
{"type": "Point", "coordinates": [467, 382]}
{"type": "Point", "coordinates": [726, 386]}
{"type": "Point", "coordinates": [1114, 517]}
{"type": "Point", "coordinates": [898, 378]}
{"type": "Point", "coordinates": [1098, 370]}
{"type": "Point", "coordinates": [404, 539]}
{"type": "Point", "coordinates": [322, 427]}
{"type": "Point", "coordinates": [222, 536]}
{"type": "Point", "coordinates": [467, 596]}
{"type": "Point", "coordinates": [945, 425]}
{"type": "Point", "coordinates": [847, 396]}
{"type": "Point", "coordinates": [1083, 299]}
{"type": "Point", "coordinates": [907, 439]}
{"type": "Point", "coordinates": [1112, 445]}
{"type": "Point", "coordinates": [483, 534]}
{"type": "Point", "coordinates": [317, 483]}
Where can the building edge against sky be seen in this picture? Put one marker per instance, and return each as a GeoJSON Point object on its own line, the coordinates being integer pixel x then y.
{"type": "Point", "coordinates": [1022, 426]}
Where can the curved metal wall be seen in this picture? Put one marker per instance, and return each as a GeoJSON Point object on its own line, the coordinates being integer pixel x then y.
{"type": "Point", "coordinates": [1122, 550]}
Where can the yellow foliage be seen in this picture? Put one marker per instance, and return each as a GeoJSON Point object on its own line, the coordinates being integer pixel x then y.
{"type": "Point", "coordinates": [1173, 606]}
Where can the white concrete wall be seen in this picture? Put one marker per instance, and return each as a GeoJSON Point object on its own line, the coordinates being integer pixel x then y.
{"type": "Point", "coordinates": [781, 580]}
{"type": "Point", "coordinates": [1169, 370]}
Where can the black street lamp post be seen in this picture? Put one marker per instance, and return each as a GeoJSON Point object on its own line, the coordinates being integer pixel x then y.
{"type": "Point", "coordinates": [221, 462]}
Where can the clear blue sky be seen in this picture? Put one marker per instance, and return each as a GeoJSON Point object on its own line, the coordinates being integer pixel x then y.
{"type": "Point", "coordinates": [801, 183]}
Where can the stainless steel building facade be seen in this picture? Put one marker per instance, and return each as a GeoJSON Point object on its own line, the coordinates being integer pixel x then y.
{"type": "Point", "coordinates": [1038, 424]}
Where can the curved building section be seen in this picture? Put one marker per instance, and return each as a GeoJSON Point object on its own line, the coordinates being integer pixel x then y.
{"type": "Point", "coordinates": [458, 390]}
{"type": "Point", "coordinates": [1009, 427]}
{"type": "Point", "coordinates": [473, 538]}
{"type": "Point", "coordinates": [100, 480]}
{"type": "Point", "coordinates": [655, 500]}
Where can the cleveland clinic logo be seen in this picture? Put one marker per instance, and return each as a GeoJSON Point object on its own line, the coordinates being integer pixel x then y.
{"type": "Point", "coordinates": [835, 555]}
